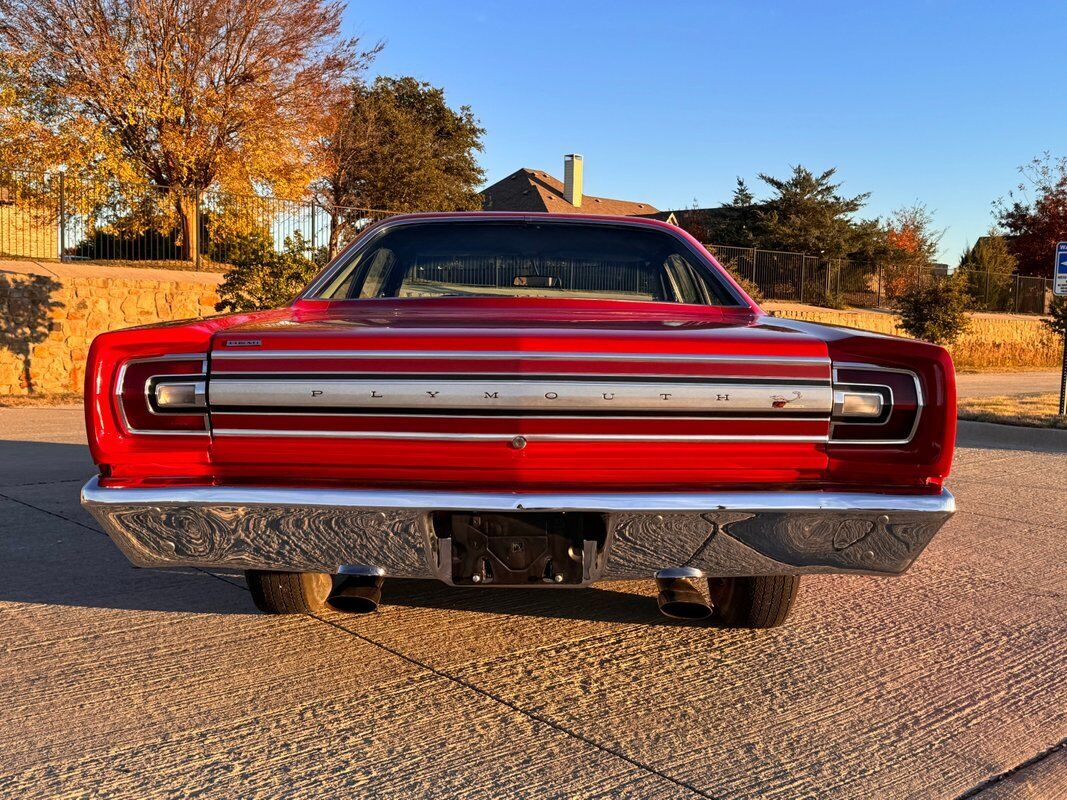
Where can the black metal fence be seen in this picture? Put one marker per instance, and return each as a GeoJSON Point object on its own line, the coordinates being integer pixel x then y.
{"type": "Point", "coordinates": [60, 216]}
{"type": "Point", "coordinates": [800, 278]}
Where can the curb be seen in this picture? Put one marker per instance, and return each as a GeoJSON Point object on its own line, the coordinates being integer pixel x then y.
{"type": "Point", "coordinates": [1016, 437]}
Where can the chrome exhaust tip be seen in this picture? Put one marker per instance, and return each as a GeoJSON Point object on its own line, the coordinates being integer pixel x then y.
{"type": "Point", "coordinates": [679, 597]}
{"type": "Point", "coordinates": [360, 590]}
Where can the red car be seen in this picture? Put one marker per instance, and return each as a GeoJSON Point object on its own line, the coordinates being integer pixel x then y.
{"type": "Point", "coordinates": [521, 400]}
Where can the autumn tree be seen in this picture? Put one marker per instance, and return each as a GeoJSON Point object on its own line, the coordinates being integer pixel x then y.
{"type": "Point", "coordinates": [398, 146]}
{"type": "Point", "coordinates": [910, 247]}
{"type": "Point", "coordinates": [1034, 216]}
{"type": "Point", "coordinates": [189, 94]}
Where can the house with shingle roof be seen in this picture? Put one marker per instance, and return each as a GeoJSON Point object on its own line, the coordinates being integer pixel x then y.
{"type": "Point", "coordinates": [536, 191]}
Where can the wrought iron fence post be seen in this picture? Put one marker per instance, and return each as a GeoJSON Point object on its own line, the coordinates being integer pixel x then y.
{"type": "Point", "coordinates": [197, 197]}
{"type": "Point", "coordinates": [803, 275]}
{"type": "Point", "coordinates": [312, 229]}
{"type": "Point", "coordinates": [878, 297]}
{"type": "Point", "coordinates": [62, 213]}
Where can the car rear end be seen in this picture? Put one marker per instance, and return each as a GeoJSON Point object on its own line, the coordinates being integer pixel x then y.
{"type": "Point", "coordinates": [519, 441]}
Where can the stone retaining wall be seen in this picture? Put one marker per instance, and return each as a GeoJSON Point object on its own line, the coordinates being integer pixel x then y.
{"type": "Point", "coordinates": [47, 322]}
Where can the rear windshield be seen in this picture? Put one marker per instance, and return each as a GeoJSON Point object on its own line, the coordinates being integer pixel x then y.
{"type": "Point", "coordinates": [523, 259]}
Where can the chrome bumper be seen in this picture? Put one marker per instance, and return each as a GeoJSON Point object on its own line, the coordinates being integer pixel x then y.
{"type": "Point", "coordinates": [390, 532]}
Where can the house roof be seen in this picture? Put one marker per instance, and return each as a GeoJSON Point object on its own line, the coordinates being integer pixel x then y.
{"type": "Point", "coordinates": [533, 190]}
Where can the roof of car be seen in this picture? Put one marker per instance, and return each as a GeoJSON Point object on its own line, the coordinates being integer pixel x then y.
{"type": "Point", "coordinates": [462, 216]}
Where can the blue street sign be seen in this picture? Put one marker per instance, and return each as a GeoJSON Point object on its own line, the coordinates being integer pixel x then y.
{"type": "Point", "coordinates": [1059, 274]}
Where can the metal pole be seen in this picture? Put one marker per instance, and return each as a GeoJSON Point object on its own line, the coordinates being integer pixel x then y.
{"type": "Point", "coordinates": [62, 214]}
{"type": "Point", "coordinates": [878, 299]}
{"type": "Point", "coordinates": [1063, 380]}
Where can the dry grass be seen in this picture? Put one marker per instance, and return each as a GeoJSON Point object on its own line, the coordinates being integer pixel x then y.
{"type": "Point", "coordinates": [992, 343]}
{"type": "Point", "coordinates": [39, 400]}
{"type": "Point", "coordinates": [1032, 410]}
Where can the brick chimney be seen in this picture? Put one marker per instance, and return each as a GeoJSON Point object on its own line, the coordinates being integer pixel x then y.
{"type": "Point", "coordinates": [572, 179]}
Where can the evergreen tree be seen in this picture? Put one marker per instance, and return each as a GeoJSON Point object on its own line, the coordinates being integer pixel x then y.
{"type": "Point", "coordinates": [807, 213]}
{"type": "Point", "coordinates": [988, 270]}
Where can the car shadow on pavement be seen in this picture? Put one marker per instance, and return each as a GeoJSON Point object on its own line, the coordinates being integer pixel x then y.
{"type": "Point", "coordinates": [53, 553]}
{"type": "Point", "coordinates": [594, 604]}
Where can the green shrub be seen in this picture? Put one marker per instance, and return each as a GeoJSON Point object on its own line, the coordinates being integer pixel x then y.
{"type": "Point", "coordinates": [834, 300]}
{"type": "Point", "coordinates": [1057, 321]}
{"type": "Point", "coordinates": [261, 276]}
{"type": "Point", "coordinates": [751, 288]}
{"type": "Point", "coordinates": [936, 312]}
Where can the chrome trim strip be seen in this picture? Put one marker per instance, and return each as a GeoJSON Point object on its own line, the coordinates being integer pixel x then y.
{"type": "Point", "coordinates": [517, 415]}
{"type": "Point", "coordinates": [520, 395]}
{"type": "Point", "coordinates": [120, 379]}
{"type": "Point", "coordinates": [508, 437]}
{"type": "Point", "coordinates": [920, 404]}
{"type": "Point", "coordinates": [725, 376]}
{"type": "Point", "coordinates": [502, 355]}
{"type": "Point", "coordinates": [431, 500]}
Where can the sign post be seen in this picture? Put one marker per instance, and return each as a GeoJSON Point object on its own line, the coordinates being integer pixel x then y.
{"type": "Point", "coordinates": [1059, 288]}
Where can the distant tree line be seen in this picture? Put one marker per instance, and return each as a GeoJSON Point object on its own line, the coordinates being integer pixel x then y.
{"type": "Point", "coordinates": [807, 212]}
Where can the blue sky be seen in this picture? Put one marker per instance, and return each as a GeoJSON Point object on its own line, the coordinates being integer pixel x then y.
{"type": "Point", "coordinates": [935, 101]}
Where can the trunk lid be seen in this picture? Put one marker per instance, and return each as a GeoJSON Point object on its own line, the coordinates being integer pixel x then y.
{"type": "Point", "coordinates": [519, 394]}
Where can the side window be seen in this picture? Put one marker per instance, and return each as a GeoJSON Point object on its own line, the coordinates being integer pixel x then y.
{"type": "Point", "coordinates": [377, 271]}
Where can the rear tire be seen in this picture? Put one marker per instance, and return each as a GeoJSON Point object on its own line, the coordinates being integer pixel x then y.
{"type": "Point", "coordinates": [759, 602]}
{"type": "Point", "coordinates": [289, 592]}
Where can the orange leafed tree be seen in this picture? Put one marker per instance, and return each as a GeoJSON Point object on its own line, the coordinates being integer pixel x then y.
{"type": "Point", "coordinates": [188, 93]}
{"type": "Point", "coordinates": [911, 246]}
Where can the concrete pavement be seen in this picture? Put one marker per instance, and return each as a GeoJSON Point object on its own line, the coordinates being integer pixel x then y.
{"type": "Point", "coordinates": [995, 384]}
{"type": "Point", "coordinates": [947, 682]}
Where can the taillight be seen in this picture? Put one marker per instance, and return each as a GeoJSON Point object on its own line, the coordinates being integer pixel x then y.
{"type": "Point", "coordinates": [874, 405]}
{"type": "Point", "coordinates": [164, 394]}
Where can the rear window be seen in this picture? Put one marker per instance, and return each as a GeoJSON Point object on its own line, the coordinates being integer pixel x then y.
{"type": "Point", "coordinates": [525, 259]}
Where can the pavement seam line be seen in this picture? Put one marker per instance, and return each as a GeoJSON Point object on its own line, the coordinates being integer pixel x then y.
{"type": "Point", "coordinates": [41, 483]}
{"type": "Point", "coordinates": [50, 513]}
{"type": "Point", "coordinates": [974, 791]}
{"type": "Point", "coordinates": [532, 715]}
